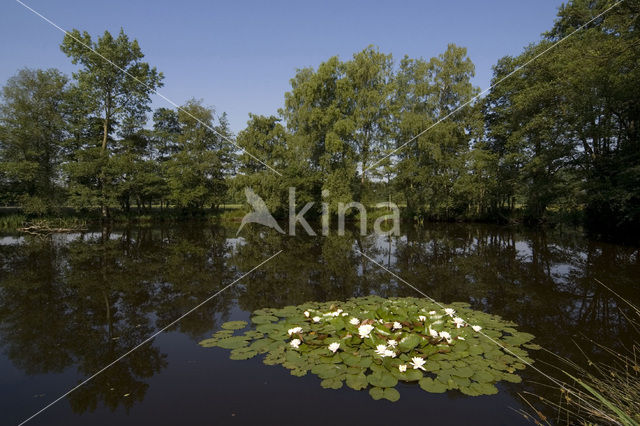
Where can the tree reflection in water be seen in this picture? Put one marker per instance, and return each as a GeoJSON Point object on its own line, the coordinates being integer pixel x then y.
{"type": "Point", "coordinates": [81, 301]}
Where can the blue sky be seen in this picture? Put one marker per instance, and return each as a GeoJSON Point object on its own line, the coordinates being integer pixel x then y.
{"type": "Point", "coordinates": [239, 56]}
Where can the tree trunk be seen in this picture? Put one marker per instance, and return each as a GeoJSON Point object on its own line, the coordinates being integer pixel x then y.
{"type": "Point", "coordinates": [103, 153]}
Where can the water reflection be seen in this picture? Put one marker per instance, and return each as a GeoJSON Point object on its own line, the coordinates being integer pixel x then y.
{"type": "Point", "coordinates": [81, 301]}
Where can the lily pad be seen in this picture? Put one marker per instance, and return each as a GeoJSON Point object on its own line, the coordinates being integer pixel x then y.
{"type": "Point", "coordinates": [234, 325]}
{"type": "Point", "coordinates": [372, 343]}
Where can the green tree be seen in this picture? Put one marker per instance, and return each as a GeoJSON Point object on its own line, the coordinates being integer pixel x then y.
{"type": "Point", "coordinates": [115, 85]}
{"type": "Point", "coordinates": [32, 128]}
{"type": "Point", "coordinates": [431, 167]}
{"type": "Point", "coordinates": [196, 172]}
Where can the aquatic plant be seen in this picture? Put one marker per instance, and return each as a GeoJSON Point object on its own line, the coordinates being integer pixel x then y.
{"type": "Point", "coordinates": [373, 343]}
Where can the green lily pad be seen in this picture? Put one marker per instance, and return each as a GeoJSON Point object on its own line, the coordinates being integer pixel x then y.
{"type": "Point", "coordinates": [234, 325]}
{"type": "Point", "coordinates": [233, 342]}
{"type": "Point", "coordinates": [333, 349]}
{"type": "Point", "coordinates": [430, 385]}
{"type": "Point", "coordinates": [382, 379]}
{"type": "Point", "coordinates": [357, 381]}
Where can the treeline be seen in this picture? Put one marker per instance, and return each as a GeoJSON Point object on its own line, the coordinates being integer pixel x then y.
{"type": "Point", "coordinates": [557, 133]}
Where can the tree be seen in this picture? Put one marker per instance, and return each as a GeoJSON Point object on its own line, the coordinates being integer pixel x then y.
{"type": "Point", "coordinates": [115, 86]}
{"type": "Point", "coordinates": [370, 93]}
{"type": "Point", "coordinates": [32, 128]}
{"type": "Point", "coordinates": [565, 128]}
{"type": "Point", "coordinates": [196, 172]}
{"type": "Point", "coordinates": [430, 167]}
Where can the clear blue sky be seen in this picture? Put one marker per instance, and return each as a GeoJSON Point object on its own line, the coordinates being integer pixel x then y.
{"type": "Point", "coordinates": [239, 56]}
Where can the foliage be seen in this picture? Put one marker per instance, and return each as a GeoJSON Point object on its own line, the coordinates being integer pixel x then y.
{"type": "Point", "coordinates": [113, 85]}
{"type": "Point", "coordinates": [372, 343]}
{"type": "Point", "coordinates": [32, 125]}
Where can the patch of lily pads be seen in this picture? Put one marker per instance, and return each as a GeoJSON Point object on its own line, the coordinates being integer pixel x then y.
{"type": "Point", "coordinates": [373, 343]}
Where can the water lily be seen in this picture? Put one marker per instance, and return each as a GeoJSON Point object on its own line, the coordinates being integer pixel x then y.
{"type": "Point", "coordinates": [316, 319]}
{"type": "Point", "coordinates": [334, 347]}
{"type": "Point", "coordinates": [449, 311]}
{"type": "Point", "coordinates": [460, 338]}
{"type": "Point", "coordinates": [397, 325]}
{"type": "Point", "coordinates": [417, 363]}
{"type": "Point", "coordinates": [295, 343]}
{"type": "Point", "coordinates": [459, 322]}
{"type": "Point", "coordinates": [390, 353]}
{"type": "Point", "coordinates": [306, 314]}
{"type": "Point", "coordinates": [432, 312]}
{"type": "Point", "coordinates": [402, 368]}
{"type": "Point", "coordinates": [344, 314]}
{"type": "Point", "coordinates": [294, 330]}
{"type": "Point", "coordinates": [445, 335]}
{"type": "Point", "coordinates": [392, 343]}
{"type": "Point", "coordinates": [380, 349]}
{"type": "Point", "coordinates": [433, 333]}
{"type": "Point", "coordinates": [422, 318]}
{"type": "Point", "coordinates": [354, 321]}
{"type": "Point", "coordinates": [364, 330]}
{"type": "Point", "coordinates": [476, 328]}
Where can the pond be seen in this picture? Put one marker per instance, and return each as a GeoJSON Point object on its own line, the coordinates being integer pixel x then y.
{"type": "Point", "coordinates": [73, 303]}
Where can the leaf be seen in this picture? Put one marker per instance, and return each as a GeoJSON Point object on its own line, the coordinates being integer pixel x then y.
{"type": "Point", "coordinates": [208, 343]}
{"type": "Point", "coordinates": [482, 376]}
{"type": "Point", "coordinates": [234, 325]}
{"type": "Point", "coordinates": [263, 319]}
{"type": "Point", "coordinates": [430, 385]}
{"type": "Point", "coordinates": [233, 342]}
{"type": "Point", "coordinates": [331, 383]}
{"type": "Point", "coordinates": [357, 381]}
{"type": "Point", "coordinates": [382, 379]}
{"type": "Point", "coordinates": [621, 414]}
{"type": "Point", "coordinates": [242, 353]}
{"type": "Point", "coordinates": [376, 393]}
{"type": "Point", "coordinates": [409, 342]}
{"type": "Point", "coordinates": [391, 394]}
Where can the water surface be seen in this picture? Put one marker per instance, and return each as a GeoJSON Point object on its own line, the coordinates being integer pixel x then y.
{"type": "Point", "coordinates": [73, 303]}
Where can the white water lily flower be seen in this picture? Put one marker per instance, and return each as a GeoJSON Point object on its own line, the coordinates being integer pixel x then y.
{"type": "Point", "coordinates": [334, 347]}
{"type": "Point", "coordinates": [306, 314]}
{"type": "Point", "coordinates": [392, 343]}
{"type": "Point", "coordinates": [459, 322]}
{"type": "Point", "coordinates": [460, 338]}
{"type": "Point", "coordinates": [417, 363]}
{"type": "Point", "coordinates": [294, 330]}
{"type": "Point", "coordinates": [446, 336]}
{"type": "Point", "coordinates": [422, 318]}
{"type": "Point", "coordinates": [316, 319]}
{"type": "Point", "coordinates": [295, 343]}
{"type": "Point", "coordinates": [402, 368]}
{"type": "Point", "coordinates": [364, 330]}
{"type": "Point", "coordinates": [476, 328]}
{"type": "Point", "coordinates": [380, 349]}
{"type": "Point", "coordinates": [390, 353]}
{"type": "Point", "coordinates": [449, 311]}
{"type": "Point", "coordinates": [397, 325]}
{"type": "Point", "coordinates": [433, 333]}
{"type": "Point", "coordinates": [432, 312]}
{"type": "Point", "coordinates": [381, 321]}
{"type": "Point", "coordinates": [344, 314]}
{"type": "Point", "coordinates": [354, 321]}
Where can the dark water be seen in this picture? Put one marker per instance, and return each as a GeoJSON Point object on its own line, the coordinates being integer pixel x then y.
{"type": "Point", "coordinates": [71, 304]}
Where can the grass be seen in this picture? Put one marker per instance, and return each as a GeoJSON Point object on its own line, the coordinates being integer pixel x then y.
{"type": "Point", "coordinates": [599, 392]}
{"type": "Point", "coordinates": [12, 221]}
